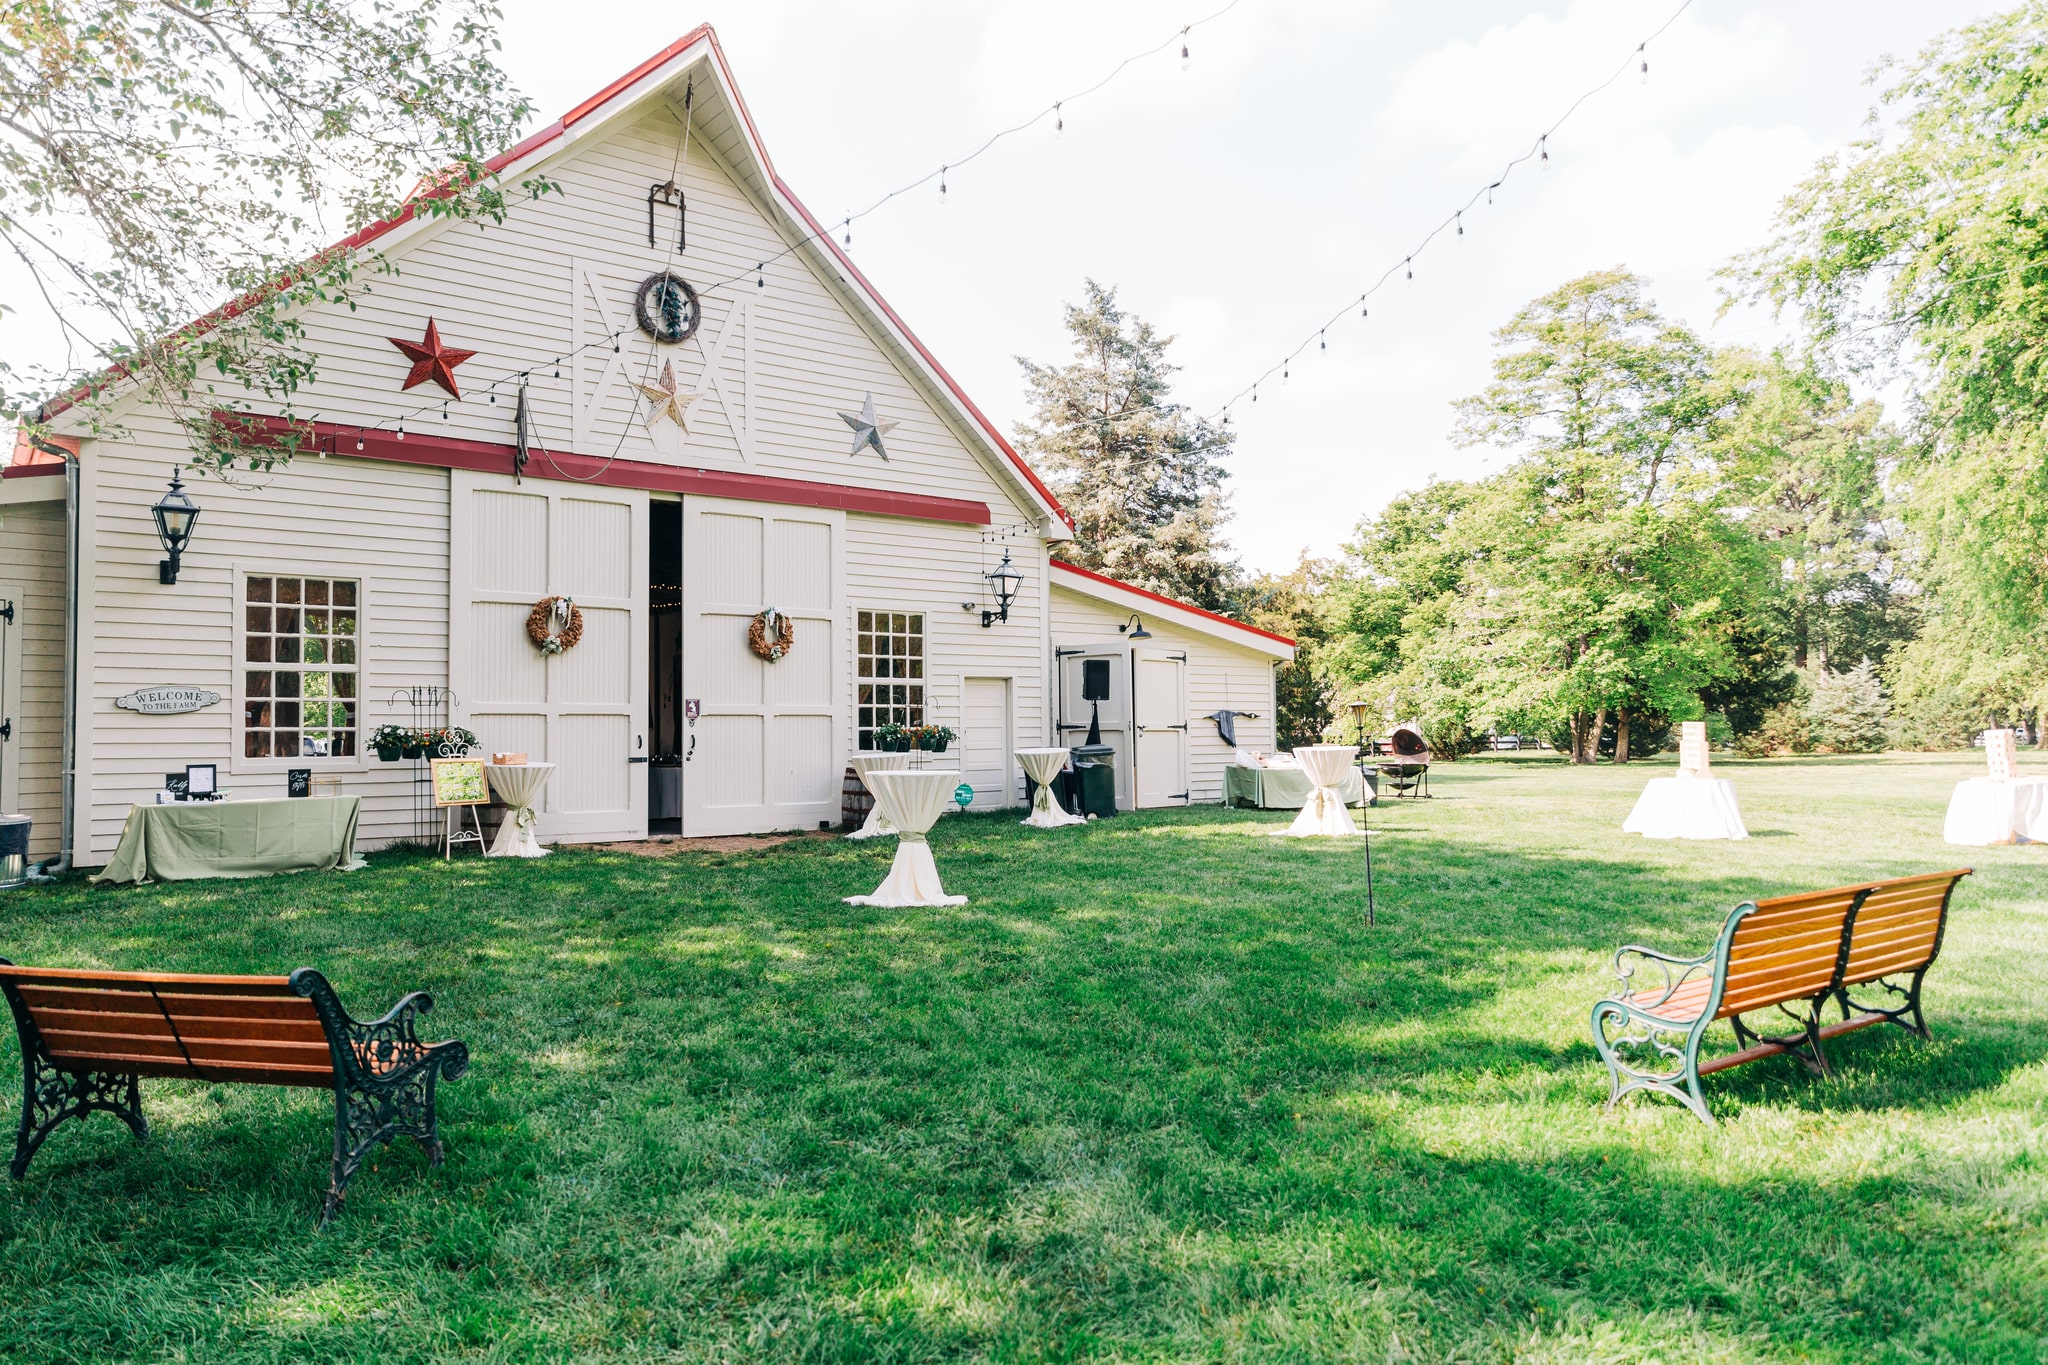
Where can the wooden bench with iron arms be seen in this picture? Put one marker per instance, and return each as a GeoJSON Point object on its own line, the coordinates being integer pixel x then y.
{"type": "Point", "coordinates": [1789, 953]}
{"type": "Point", "coordinates": [88, 1037]}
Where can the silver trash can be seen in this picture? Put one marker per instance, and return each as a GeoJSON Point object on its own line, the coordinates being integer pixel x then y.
{"type": "Point", "coordinates": [14, 851]}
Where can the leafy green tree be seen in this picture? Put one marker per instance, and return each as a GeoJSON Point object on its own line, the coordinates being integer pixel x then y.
{"type": "Point", "coordinates": [1141, 475]}
{"type": "Point", "coordinates": [1293, 605]}
{"type": "Point", "coordinates": [159, 160]}
{"type": "Point", "coordinates": [1924, 251]}
{"type": "Point", "coordinates": [1603, 577]}
{"type": "Point", "coordinates": [1806, 465]}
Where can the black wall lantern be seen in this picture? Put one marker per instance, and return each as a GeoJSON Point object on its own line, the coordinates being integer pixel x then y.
{"type": "Point", "coordinates": [1135, 627]}
{"type": "Point", "coordinates": [175, 514]}
{"type": "Point", "coordinates": [1004, 579]}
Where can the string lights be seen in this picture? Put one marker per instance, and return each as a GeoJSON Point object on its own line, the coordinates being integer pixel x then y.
{"type": "Point", "coordinates": [1455, 220]}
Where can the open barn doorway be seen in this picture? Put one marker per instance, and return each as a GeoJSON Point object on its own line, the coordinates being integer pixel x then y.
{"type": "Point", "coordinates": [667, 725]}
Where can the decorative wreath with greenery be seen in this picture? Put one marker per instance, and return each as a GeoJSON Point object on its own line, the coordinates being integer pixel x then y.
{"type": "Point", "coordinates": [548, 632]}
{"type": "Point", "coordinates": [771, 634]}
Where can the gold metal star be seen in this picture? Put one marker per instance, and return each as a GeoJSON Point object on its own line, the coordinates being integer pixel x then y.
{"type": "Point", "coordinates": [666, 400]}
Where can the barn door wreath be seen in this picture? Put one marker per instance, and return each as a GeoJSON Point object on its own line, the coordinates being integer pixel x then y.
{"type": "Point", "coordinates": [770, 634]}
{"type": "Point", "coordinates": [554, 625]}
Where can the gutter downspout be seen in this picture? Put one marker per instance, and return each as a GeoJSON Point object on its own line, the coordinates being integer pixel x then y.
{"type": "Point", "coordinates": [51, 869]}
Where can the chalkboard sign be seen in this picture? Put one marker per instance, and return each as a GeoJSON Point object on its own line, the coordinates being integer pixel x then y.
{"type": "Point", "coordinates": [460, 782]}
{"type": "Point", "coordinates": [174, 783]}
{"type": "Point", "coordinates": [298, 782]}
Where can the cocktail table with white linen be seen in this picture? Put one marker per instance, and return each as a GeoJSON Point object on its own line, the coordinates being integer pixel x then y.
{"type": "Point", "coordinates": [864, 764]}
{"type": "Point", "coordinates": [1986, 810]}
{"type": "Point", "coordinates": [1687, 808]}
{"type": "Point", "coordinates": [1043, 767]}
{"type": "Point", "coordinates": [1323, 813]}
{"type": "Point", "coordinates": [912, 802]}
{"type": "Point", "coordinates": [518, 785]}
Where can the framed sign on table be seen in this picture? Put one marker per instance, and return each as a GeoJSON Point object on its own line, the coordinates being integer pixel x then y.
{"type": "Point", "coordinates": [459, 788]}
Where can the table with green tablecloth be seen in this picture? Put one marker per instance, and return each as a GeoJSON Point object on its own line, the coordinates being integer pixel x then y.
{"type": "Point", "coordinates": [1282, 788]}
{"type": "Point", "coordinates": [183, 840]}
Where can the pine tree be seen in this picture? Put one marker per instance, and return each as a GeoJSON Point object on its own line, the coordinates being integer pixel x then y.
{"type": "Point", "coordinates": [1140, 474]}
{"type": "Point", "coordinates": [1847, 711]}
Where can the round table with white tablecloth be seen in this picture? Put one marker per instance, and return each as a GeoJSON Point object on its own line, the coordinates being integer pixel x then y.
{"type": "Point", "coordinates": [864, 764]}
{"type": "Point", "coordinates": [912, 802]}
{"type": "Point", "coordinates": [1323, 813]}
{"type": "Point", "coordinates": [1043, 767]}
{"type": "Point", "coordinates": [1687, 808]}
{"type": "Point", "coordinates": [1984, 810]}
{"type": "Point", "coordinates": [519, 786]}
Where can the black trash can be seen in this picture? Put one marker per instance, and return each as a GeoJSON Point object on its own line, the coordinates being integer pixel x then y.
{"type": "Point", "coordinates": [1094, 779]}
{"type": "Point", "coordinates": [14, 850]}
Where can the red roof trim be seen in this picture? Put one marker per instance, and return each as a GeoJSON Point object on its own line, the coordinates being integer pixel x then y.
{"type": "Point", "coordinates": [364, 236]}
{"type": "Point", "coordinates": [29, 462]}
{"type": "Point", "coordinates": [491, 457]}
{"type": "Point", "coordinates": [1092, 576]}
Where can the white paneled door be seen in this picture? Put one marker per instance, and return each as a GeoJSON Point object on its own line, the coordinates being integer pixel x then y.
{"type": "Point", "coordinates": [583, 710]}
{"type": "Point", "coordinates": [1096, 682]}
{"type": "Point", "coordinates": [986, 743]}
{"type": "Point", "coordinates": [1159, 691]}
{"type": "Point", "coordinates": [764, 751]}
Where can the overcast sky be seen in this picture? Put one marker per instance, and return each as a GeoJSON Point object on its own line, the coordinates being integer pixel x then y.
{"type": "Point", "coordinates": [1240, 201]}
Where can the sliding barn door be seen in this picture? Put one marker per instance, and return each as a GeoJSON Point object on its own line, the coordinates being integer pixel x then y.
{"type": "Point", "coordinates": [583, 710]}
{"type": "Point", "coordinates": [763, 753]}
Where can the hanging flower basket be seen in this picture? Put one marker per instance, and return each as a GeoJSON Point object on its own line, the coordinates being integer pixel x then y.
{"type": "Point", "coordinates": [771, 634]}
{"type": "Point", "coordinates": [554, 625]}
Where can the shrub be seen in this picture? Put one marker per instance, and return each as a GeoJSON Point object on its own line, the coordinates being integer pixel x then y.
{"type": "Point", "coordinates": [1785, 730]}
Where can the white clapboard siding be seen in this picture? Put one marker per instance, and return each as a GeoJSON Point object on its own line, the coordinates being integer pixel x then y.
{"type": "Point", "coordinates": [507, 291]}
{"type": "Point", "coordinates": [383, 524]}
{"type": "Point", "coordinates": [899, 565]}
{"type": "Point", "coordinates": [32, 559]}
{"type": "Point", "coordinates": [1220, 676]}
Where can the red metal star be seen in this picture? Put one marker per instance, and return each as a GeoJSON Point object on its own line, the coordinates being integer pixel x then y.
{"type": "Point", "coordinates": [431, 360]}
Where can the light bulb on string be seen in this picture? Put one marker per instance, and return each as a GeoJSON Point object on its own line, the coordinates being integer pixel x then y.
{"type": "Point", "coordinates": [1543, 146]}
{"type": "Point", "coordinates": [1285, 372]}
{"type": "Point", "coordinates": [1460, 216]}
{"type": "Point", "coordinates": [1185, 61]}
{"type": "Point", "coordinates": [558, 369]}
{"type": "Point", "coordinates": [761, 275]}
{"type": "Point", "coordinates": [849, 230]}
{"type": "Point", "coordinates": [359, 441]}
{"type": "Point", "coordinates": [444, 409]}
{"type": "Point", "coordinates": [942, 186]}
{"type": "Point", "coordinates": [1059, 121]}
{"type": "Point", "coordinates": [401, 431]}
{"type": "Point", "coordinates": [1646, 63]}
{"type": "Point", "coordinates": [1409, 261]}
{"type": "Point", "coordinates": [1324, 340]}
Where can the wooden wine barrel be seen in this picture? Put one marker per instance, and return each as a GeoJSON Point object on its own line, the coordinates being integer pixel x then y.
{"type": "Point", "coordinates": [855, 801]}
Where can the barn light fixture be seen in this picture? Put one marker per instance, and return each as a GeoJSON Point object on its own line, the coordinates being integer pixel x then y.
{"type": "Point", "coordinates": [1003, 579]}
{"type": "Point", "coordinates": [175, 515]}
{"type": "Point", "coordinates": [1136, 628]}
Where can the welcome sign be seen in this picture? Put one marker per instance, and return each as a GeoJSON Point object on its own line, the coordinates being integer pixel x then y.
{"type": "Point", "coordinates": [167, 701]}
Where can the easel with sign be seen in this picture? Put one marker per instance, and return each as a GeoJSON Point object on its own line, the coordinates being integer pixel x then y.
{"type": "Point", "coordinates": [459, 788]}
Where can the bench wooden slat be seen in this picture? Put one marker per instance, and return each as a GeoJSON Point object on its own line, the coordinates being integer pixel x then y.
{"type": "Point", "coordinates": [1762, 1050]}
{"type": "Point", "coordinates": [247, 1073]}
{"type": "Point", "coordinates": [83, 1047]}
{"type": "Point", "coordinates": [142, 981]}
{"type": "Point", "coordinates": [39, 998]}
{"type": "Point", "coordinates": [189, 1026]}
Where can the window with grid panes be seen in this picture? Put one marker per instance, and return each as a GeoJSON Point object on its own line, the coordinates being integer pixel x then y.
{"type": "Point", "coordinates": [889, 668]}
{"type": "Point", "coordinates": [299, 647]}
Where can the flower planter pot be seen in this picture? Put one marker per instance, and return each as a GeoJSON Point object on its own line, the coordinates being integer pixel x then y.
{"type": "Point", "coordinates": [935, 746]}
{"type": "Point", "coordinates": [415, 751]}
{"type": "Point", "coordinates": [389, 755]}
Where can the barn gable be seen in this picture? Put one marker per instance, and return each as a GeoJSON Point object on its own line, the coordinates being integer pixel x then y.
{"type": "Point", "coordinates": [790, 336]}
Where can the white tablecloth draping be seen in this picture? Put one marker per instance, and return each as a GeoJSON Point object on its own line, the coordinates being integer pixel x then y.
{"type": "Point", "coordinates": [1043, 767]}
{"type": "Point", "coordinates": [518, 785]}
{"type": "Point", "coordinates": [1687, 808]}
{"type": "Point", "coordinates": [1323, 812]}
{"type": "Point", "coordinates": [912, 802]}
{"type": "Point", "coordinates": [1987, 811]}
{"type": "Point", "coordinates": [864, 765]}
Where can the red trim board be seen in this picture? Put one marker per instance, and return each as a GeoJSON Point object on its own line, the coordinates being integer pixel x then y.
{"type": "Point", "coordinates": [491, 457]}
{"type": "Point", "coordinates": [1105, 579]}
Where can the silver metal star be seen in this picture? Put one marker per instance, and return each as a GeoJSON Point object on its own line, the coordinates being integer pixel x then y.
{"type": "Point", "coordinates": [868, 430]}
{"type": "Point", "coordinates": [666, 400]}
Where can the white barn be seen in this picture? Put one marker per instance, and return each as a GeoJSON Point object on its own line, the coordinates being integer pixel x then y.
{"type": "Point", "coordinates": [407, 553]}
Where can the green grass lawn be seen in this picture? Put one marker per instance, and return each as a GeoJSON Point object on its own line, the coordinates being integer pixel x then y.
{"type": "Point", "coordinates": [1157, 1093]}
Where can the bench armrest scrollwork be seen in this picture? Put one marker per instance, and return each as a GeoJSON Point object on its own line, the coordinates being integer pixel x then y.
{"type": "Point", "coordinates": [1664, 985]}
{"type": "Point", "coordinates": [378, 1050]}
